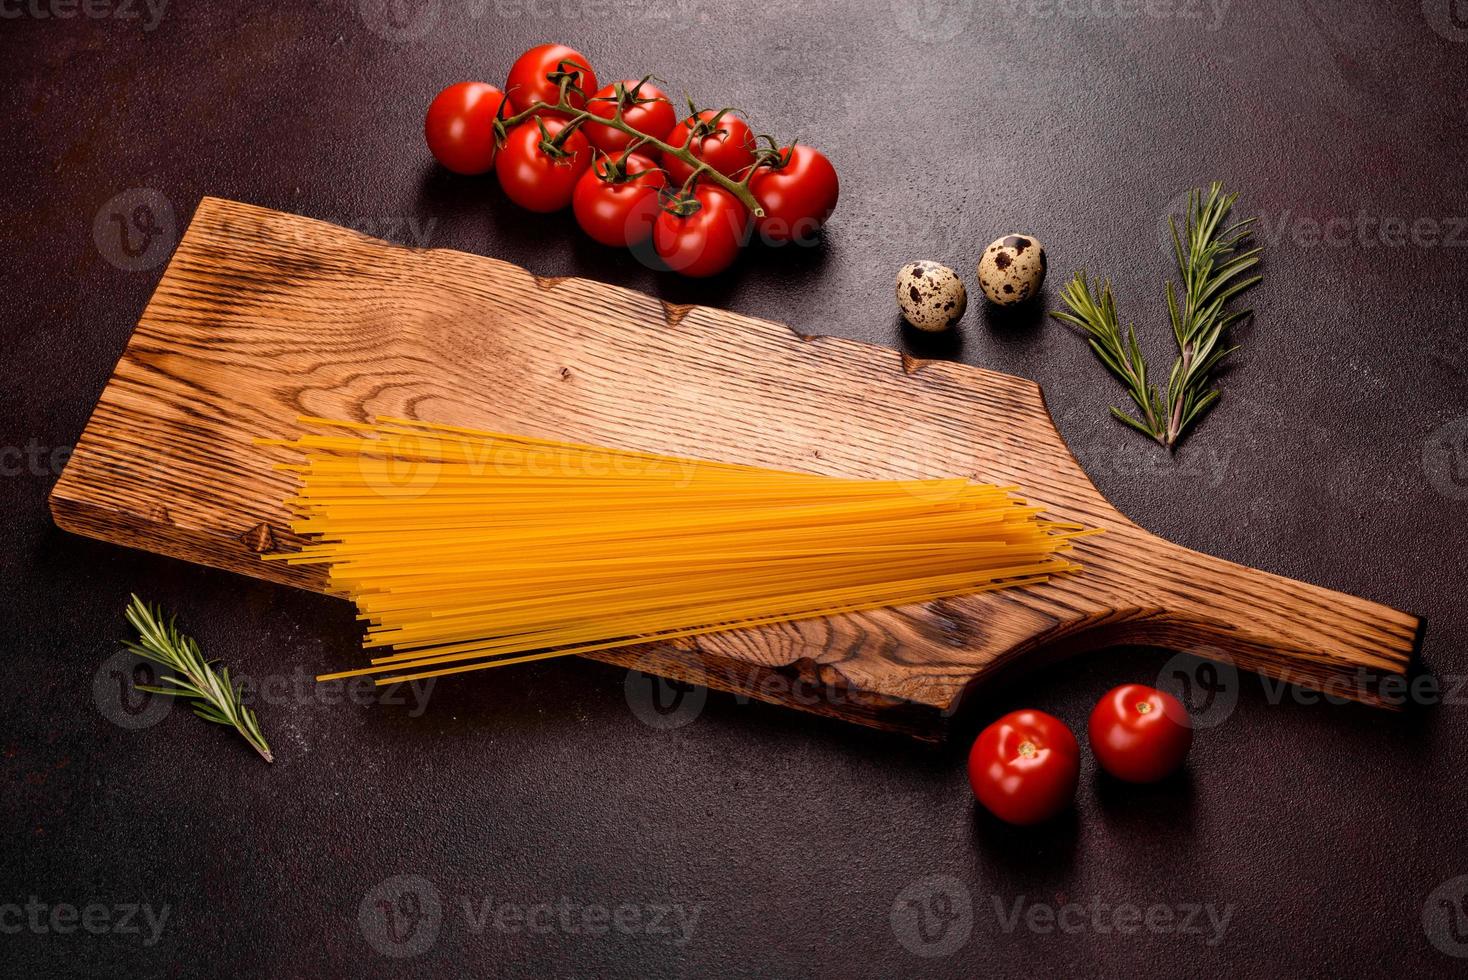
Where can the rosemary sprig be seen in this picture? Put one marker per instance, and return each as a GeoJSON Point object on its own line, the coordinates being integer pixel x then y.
{"type": "Point", "coordinates": [1210, 265]}
{"type": "Point", "coordinates": [217, 699]}
{"type": "Point", "coordinates": [1097, 317]}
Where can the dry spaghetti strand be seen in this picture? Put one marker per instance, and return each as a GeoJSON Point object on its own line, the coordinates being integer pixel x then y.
{"type": "Point", "coordinates": [466, 549]}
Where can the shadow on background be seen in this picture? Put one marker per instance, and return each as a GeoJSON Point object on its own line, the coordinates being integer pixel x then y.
{"type": "Point", "coordinates": [934, 345]}
{"type": "Point", "coordinates": [1022, 320]}
{"type": "Point", "coordinates": [1044, 852]}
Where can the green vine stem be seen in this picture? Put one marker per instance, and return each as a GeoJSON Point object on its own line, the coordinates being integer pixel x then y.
{"type": "Point", "coordinates": [577, 117]}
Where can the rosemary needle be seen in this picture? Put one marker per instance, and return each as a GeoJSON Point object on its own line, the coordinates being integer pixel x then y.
{"type": "Point", "coordinates": [216, 698]}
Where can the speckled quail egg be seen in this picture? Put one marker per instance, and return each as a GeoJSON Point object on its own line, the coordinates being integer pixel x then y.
{"type": "Point", "coordinates": [931, 296]}
{"type": "Point", "coordinates": [1012, 269]}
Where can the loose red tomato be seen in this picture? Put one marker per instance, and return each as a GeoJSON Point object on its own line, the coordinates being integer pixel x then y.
{"type": "Point", "coordinates": [459, 126]}
{"type": "Point", "coordinates": [1140, 734]}
{"type": "Point", "coordinates": [645, 107]}
{"type": "Point", "coordinates": [798, 191]}
{"type": "Point", "coordinates": [707, 241]}
{"type": "Point", "coordinates": [618, 204]}
{"type": "Point", "coordinates": [1024, 767]}
{"type": "Point", "coordinates": [534, 178]}
{"type": "Point", "coordinates": [535, 77]}
{"type": "Point", "coordinates": [720, 139]}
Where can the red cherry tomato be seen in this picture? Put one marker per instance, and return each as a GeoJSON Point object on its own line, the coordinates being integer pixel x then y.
{"type": "Point", "coordinates": [619, 208]}
{"type": "Point", "coordinates": [1140, 734]}
{"type": "Point", "coordinates": [459, 126]}
{"type": "Point", "coordinates": [533, 77]}
{"type": "Point", "coordinates": [535, 179]}
{"type": "Point", "coordinates": [707, 241]}
{"type": "Point", "coordinates": [723, 141]}
{"type": "Point", "coordinates": [798, 192]}
{"type": "Point", "coordinates": [1024, 767]}
{"type": "Point", "coordinates": [645, 107]}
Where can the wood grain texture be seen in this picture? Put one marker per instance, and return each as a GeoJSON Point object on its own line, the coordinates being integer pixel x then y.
{"type": "Point", "coordinates": [263, 316]}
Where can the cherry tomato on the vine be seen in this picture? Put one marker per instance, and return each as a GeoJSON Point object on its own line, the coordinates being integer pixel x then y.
{"type": "Point", "coordinates": [1140, 734]}
{"type": "Point", "coordinates": [538, 180]}
{"type": "Point", "coordinates": [798, 191]}
{"type": "Point", "coordinates": [617, 205]}
{"type": "Point", "coordinates": [459, 126]}
{"type": "Point", "coordinates": [720, 139]}
{"type": "Point", "coordinates": [707, 241]}
{"type": "Point", "coordinates": [645, 107]}
{"type": "Point", "coordinates": [1024, 767]}
{"type": "Point", "coordinates": [535, 77]}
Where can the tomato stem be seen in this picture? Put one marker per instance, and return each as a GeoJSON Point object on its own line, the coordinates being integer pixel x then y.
{"type": "Point", "coordinates": [740, 189]}
{"type": "Point", "coordinates": [615, 170]}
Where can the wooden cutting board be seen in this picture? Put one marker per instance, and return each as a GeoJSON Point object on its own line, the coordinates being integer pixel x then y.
{"type": "Point", "coordinates": [263, 316]}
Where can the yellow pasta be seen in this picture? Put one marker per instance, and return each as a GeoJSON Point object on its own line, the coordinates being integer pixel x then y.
{"type": "Point", "coordinates": [466, 549]}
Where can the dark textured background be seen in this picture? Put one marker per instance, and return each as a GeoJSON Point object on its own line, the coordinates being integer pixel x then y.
{"type": "Point", "coordinates": [1332, 836]}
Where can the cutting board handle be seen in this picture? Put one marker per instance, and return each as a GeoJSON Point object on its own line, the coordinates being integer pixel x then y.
{"type": "Point", "coordinates": [1289, 630]}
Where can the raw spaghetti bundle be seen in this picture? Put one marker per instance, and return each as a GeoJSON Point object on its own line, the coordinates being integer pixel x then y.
{"type": "Point", "coordinates": [466, 549]}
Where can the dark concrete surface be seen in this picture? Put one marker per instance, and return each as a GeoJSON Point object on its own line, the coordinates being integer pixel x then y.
{"type": "Point", "coordinates": [1322, 839]}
